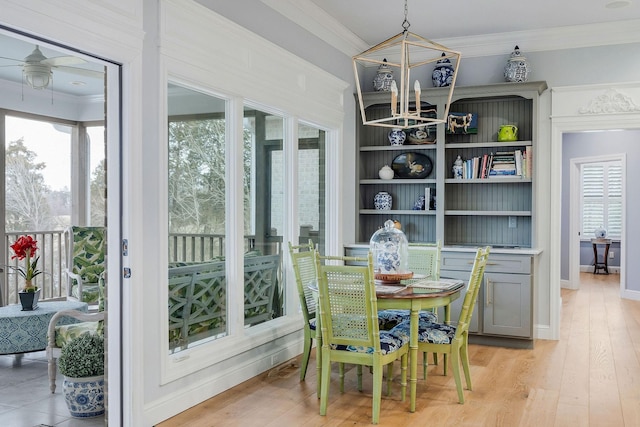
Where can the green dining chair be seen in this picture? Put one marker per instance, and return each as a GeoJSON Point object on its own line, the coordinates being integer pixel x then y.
{"type": "Point", "coordinates": [350, 331]}
{"type": "Point", "coordinates": [424, 259]}
{"type": "Point", "coordinates": [453, 339]}
{"type": "Point", "coordinates": [304, 268]}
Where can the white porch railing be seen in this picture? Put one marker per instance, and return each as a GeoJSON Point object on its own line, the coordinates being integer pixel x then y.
{"type": "Point", "coordinates": [52, 250]}
{"type": "Point", "coordinates": [205, 247]}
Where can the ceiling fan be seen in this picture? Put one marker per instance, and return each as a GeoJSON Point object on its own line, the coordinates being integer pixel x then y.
{"type": "Point", "coordinates": [37, 69]}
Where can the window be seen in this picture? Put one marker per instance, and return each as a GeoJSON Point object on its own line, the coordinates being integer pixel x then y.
{"type": "Point", "coordinates": [263, 189]}
{"type": "Point", "coordinates": [198, 297]}
{"type": "Point", "coordinates": [311, 185]}
{"type": "Point", "coordinates": [601, 198]}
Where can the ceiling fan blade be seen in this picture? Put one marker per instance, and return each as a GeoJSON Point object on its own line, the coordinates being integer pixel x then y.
{"type": "Point", "coordinates": [63, 60]}
{"type": "Point", "coordinates": [11, 65]}
{"type": "Point", "coordinates": [12, 59]}
{"type": "Point", "coordinates": [82, 72]}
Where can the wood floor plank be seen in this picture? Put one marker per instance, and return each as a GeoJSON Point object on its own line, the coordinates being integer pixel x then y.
{"type": "Point", "coordinates": [590, 377]}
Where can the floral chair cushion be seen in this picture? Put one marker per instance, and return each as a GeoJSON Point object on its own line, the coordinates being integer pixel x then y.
{"type": "Point", "coordinates": [66, 333]}
{"type": "Point", "coordinates": [390, 318]}
{"type": "Point", "coordinates": [388, 344]}
{"type": "Point", "coordinates": [435, 333]}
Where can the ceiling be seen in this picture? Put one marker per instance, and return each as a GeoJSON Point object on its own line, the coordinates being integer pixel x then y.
{"type": "Point", "coordinates": [475, 28]}
{"type": "Point", "coordinates": [375, 20]}
{"type": "Point", "coordinates": [84, 78]}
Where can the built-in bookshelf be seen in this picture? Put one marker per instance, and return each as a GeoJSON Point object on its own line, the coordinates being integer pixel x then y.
{"type": "Point", "coordinates": [471, 211]}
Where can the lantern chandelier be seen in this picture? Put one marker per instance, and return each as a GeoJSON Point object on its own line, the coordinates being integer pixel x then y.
{"type": "Point", "coordinates": [403, 53]}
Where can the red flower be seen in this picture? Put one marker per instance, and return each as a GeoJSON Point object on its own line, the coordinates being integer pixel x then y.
{"type": "Point", "coordinates": [25, 246]}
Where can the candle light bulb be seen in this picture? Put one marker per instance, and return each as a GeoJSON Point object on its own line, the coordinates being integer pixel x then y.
{"type": "Point", "coordinates": [416, 88]}
{"type": "Point", "coordinates": [394, 97]}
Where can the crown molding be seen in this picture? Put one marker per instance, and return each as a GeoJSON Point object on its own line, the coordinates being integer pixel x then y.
{"type": "Point", "coordinates": [322, 25]}
{"type": "Point", "coordinates": [319, 23]}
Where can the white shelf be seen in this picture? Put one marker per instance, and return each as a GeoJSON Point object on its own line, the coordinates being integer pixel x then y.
{"type": "Point", "coordinates": [487, 180]}
{"type": "Point", "coordinates": [487, 213]}
{"type": "Point", "coordinates": [406, 147]}
{"type": "Point", "coordinates": [398, 181]}
{"type": "Point", "coordinates": [396, 212]}
{"type": "Point", "coordinates": [490, 144]}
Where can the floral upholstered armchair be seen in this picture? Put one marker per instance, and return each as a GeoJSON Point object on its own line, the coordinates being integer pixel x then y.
{"type": "Point", "coordinates": [85, 262]}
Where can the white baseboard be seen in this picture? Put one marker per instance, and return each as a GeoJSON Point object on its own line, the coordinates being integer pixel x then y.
{"type": "Point", "coordinates": [258, 362]}
{"type": "Point", "coordinates": [589, 269]}
{"type": "Point", "coordinates": [632, 295]}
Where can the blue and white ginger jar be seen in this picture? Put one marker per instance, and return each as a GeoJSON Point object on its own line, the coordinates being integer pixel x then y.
{"type": "Point", "coordinates": [388, 259]}
{"type": "Point", "coordinates": [384, 77]}
{"type": "Point", "coordinates": [442, 75]}
{"type": "Point", "coordinates": [383, 201]}
{"type": "Point", "coordinates": [517, 69]}
{"type": "Point", "coordinates": [397, 136]}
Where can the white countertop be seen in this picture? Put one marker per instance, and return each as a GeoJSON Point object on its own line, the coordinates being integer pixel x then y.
{"type": "Point", "coordinates": [460, 248]}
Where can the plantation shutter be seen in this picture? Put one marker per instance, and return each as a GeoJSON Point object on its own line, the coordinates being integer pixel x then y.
{"type": "Point", "coordinates": [601, 198]}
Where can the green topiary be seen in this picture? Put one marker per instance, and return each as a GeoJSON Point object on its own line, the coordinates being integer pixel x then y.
{"type": "Point", "coordinates": [83, 357]}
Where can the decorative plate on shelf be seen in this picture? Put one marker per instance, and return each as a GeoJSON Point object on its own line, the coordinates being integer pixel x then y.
{"type": "Point", "coordinates": [412, 165]}
{"type": "Point", "coordinates": [421, 135]}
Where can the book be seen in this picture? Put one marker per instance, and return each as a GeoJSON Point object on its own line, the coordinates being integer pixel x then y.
{"type": "Point", "coordinates": [518, 156]}
{"type": "Point", "coordinates": [427, 198]}
{"type": "Point", "coordinates": [483, 169]}
{"type": "Point", "coordinates": [529, 156]}
{"type": "Point", "coordinates": [441, 284]}
{"type": "Point", "coordinates": [389, 289]}
{"type": "Point", "coordinates": [502, 172]}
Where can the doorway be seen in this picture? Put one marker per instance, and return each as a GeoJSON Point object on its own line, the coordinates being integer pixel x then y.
{"type": "Point", "coordinates": [603, 210]}
{"type": "Point", "coordinates": [586, 109]}
{"type": "Point", "coordinates": [70, 95]}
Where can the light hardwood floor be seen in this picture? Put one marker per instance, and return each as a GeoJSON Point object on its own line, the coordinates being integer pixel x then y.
{"type": "Point", "coordinates": [590, 377]}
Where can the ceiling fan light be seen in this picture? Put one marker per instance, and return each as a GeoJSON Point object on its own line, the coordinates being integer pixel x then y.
{"type": "Point", "coordinates": [37, 76]}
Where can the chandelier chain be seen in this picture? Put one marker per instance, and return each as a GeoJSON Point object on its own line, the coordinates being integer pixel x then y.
{"type": "Point", "coordinates": [405, 23]}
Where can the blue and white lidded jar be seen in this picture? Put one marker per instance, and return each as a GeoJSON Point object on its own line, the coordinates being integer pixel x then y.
{"type": "Point", "coordinates": [383, 201]}
{"type": "Point", "coordinates": [458, 166]}
{"type": "Point", "coordinates": [384, 77]}
{"type": "Point", "coordinates": [397, 136]}
{"type": "Point", "coordinates": [517, 68]}
{"type": "Point", "coordinates": [442, 75]}
{"type": "Point", "coordinates": [600, 232]}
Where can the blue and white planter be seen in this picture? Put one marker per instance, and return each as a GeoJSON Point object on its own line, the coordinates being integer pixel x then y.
{"type": "Point", "coordinates": [84, 396]}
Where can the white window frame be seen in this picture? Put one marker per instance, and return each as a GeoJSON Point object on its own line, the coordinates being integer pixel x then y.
{"type": "Point", "coordinates": [297, 91]}
{"type": "Point", "coordinates": [601, 195]}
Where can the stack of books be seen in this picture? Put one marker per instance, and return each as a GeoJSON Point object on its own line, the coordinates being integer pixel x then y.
{"type": "Point", "coordinates": [504, 164]}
